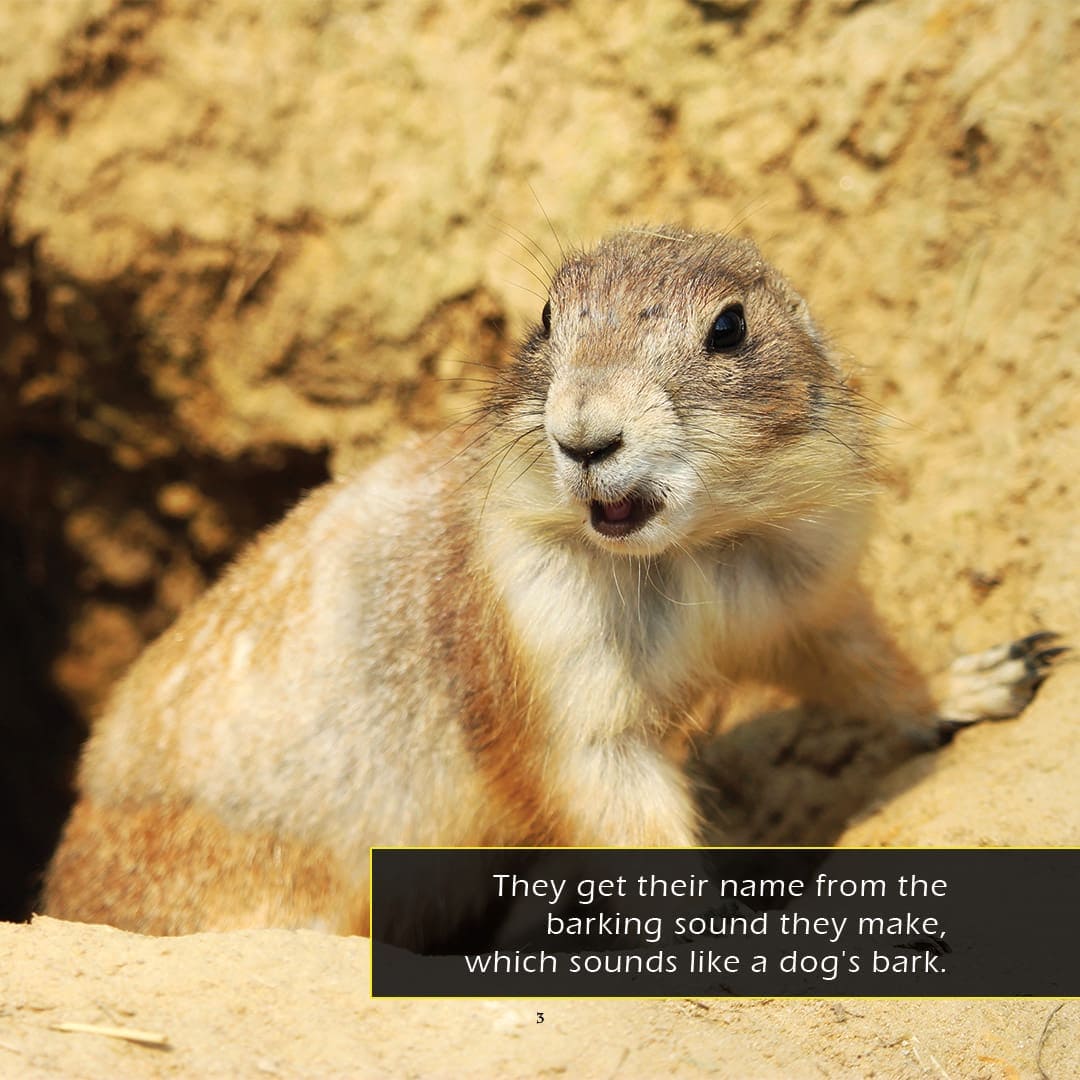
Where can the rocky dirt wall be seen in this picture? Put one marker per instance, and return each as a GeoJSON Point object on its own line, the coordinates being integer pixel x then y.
{"type": "Point", "coordinates": [242, 245]}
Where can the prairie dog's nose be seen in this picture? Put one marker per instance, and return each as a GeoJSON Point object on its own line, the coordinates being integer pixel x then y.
{"type": "Point", "coordinates": [587, 450]}
{"type": "Point", "coordinates": [585, 416]}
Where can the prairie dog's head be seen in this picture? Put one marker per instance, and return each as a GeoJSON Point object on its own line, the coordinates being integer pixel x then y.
{"type": "Point", "coordinates": [683, 393]}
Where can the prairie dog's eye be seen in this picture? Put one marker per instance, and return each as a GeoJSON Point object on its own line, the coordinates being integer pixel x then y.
{"type": "Point", "coordinates": [545, 318]}
{"type": "Point", "coordinates": [727, 330]}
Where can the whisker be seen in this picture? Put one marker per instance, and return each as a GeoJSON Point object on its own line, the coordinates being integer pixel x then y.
{"type": "Point", "coordinates": [447, 379]}
{"type": "Point", "coordinates": [562, 253]}
{"type": "Point", "coordinates": [455, 422]}
{"type": "Point", "coordinates": [460, 358]}
{"type": "Point", "coordinates": [543, 282]}
{"type": "Point", "coordinates": [690, 555]}
{"type": "Point", "coordinates": [536, 250]}
{"type": "Point", "coordinates": [537, 444]}
{"type": "Point", "coordinates": [485, 432]}
{"type": "Point", "coordinates": [501, 453]}
{"type": "Point", "coordinates": [744, 215]}
{"type": "Point", "coordinates": [697, 472]}
{"type": "Point", "coordinates": [615, 578]}
{"type": "Point", "coordinates": [542, 297]}
{"type": "Point", "coordinates": [847, 446]}
{"type": "Point", "coordinates": [538, 456]}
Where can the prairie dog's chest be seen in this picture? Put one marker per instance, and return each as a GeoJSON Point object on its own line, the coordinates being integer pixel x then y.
{"type": "Point", "coordinates": [628, 633]}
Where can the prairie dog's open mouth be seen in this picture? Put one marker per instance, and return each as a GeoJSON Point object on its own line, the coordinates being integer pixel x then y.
{"type": "Point", "coordinates": [623, 517]}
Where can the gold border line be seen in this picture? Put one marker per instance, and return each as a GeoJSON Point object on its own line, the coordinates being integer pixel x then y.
{"type": "Point", "coordinates": [694, 997]}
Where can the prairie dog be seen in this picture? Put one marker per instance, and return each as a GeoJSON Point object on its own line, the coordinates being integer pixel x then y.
{"type": "Point", "coordinates": [502, 636]}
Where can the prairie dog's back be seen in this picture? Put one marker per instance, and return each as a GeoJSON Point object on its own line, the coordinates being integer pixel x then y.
{"type": "Point", "coordinates": [329, 639]}
{"type": "Point", "coordinates": [304, 694]}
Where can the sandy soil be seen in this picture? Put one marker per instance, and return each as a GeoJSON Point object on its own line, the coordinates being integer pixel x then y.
{"type": "Point", "coordinates": [239, 250]}
{"type": "Point", "coordinates": [295, 1004]}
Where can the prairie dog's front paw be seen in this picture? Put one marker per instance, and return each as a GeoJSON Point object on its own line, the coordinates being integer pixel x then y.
{"type": "Point", "coordinates": [999, 683]}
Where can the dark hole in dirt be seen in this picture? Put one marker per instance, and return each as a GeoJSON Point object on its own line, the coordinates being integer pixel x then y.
{"type": "Point", "coordinates": [113, 517]}
{"type": "Point", "coordinates": [71, 623]}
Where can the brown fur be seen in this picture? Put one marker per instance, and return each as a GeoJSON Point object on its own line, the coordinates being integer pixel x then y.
{"type": "Point", "coordinates": [192, 872]}
{"type": "Point", "coordinates": [505, 636]}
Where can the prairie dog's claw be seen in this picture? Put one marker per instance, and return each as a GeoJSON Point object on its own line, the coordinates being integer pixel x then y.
{"type": "Point", "coordinates": [996, 684]}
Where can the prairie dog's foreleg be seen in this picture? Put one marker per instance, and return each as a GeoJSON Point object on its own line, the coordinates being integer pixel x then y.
{"type": "Point", "coordinates": [621, 792]}
{"type": "Point", "coordinates": [853, 667]}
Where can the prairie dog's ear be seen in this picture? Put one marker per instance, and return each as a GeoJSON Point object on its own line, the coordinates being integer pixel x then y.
{"type": "Point", "coordinates": [798, 307]}
{"type": "Point", "coordinates": [802, 311]}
